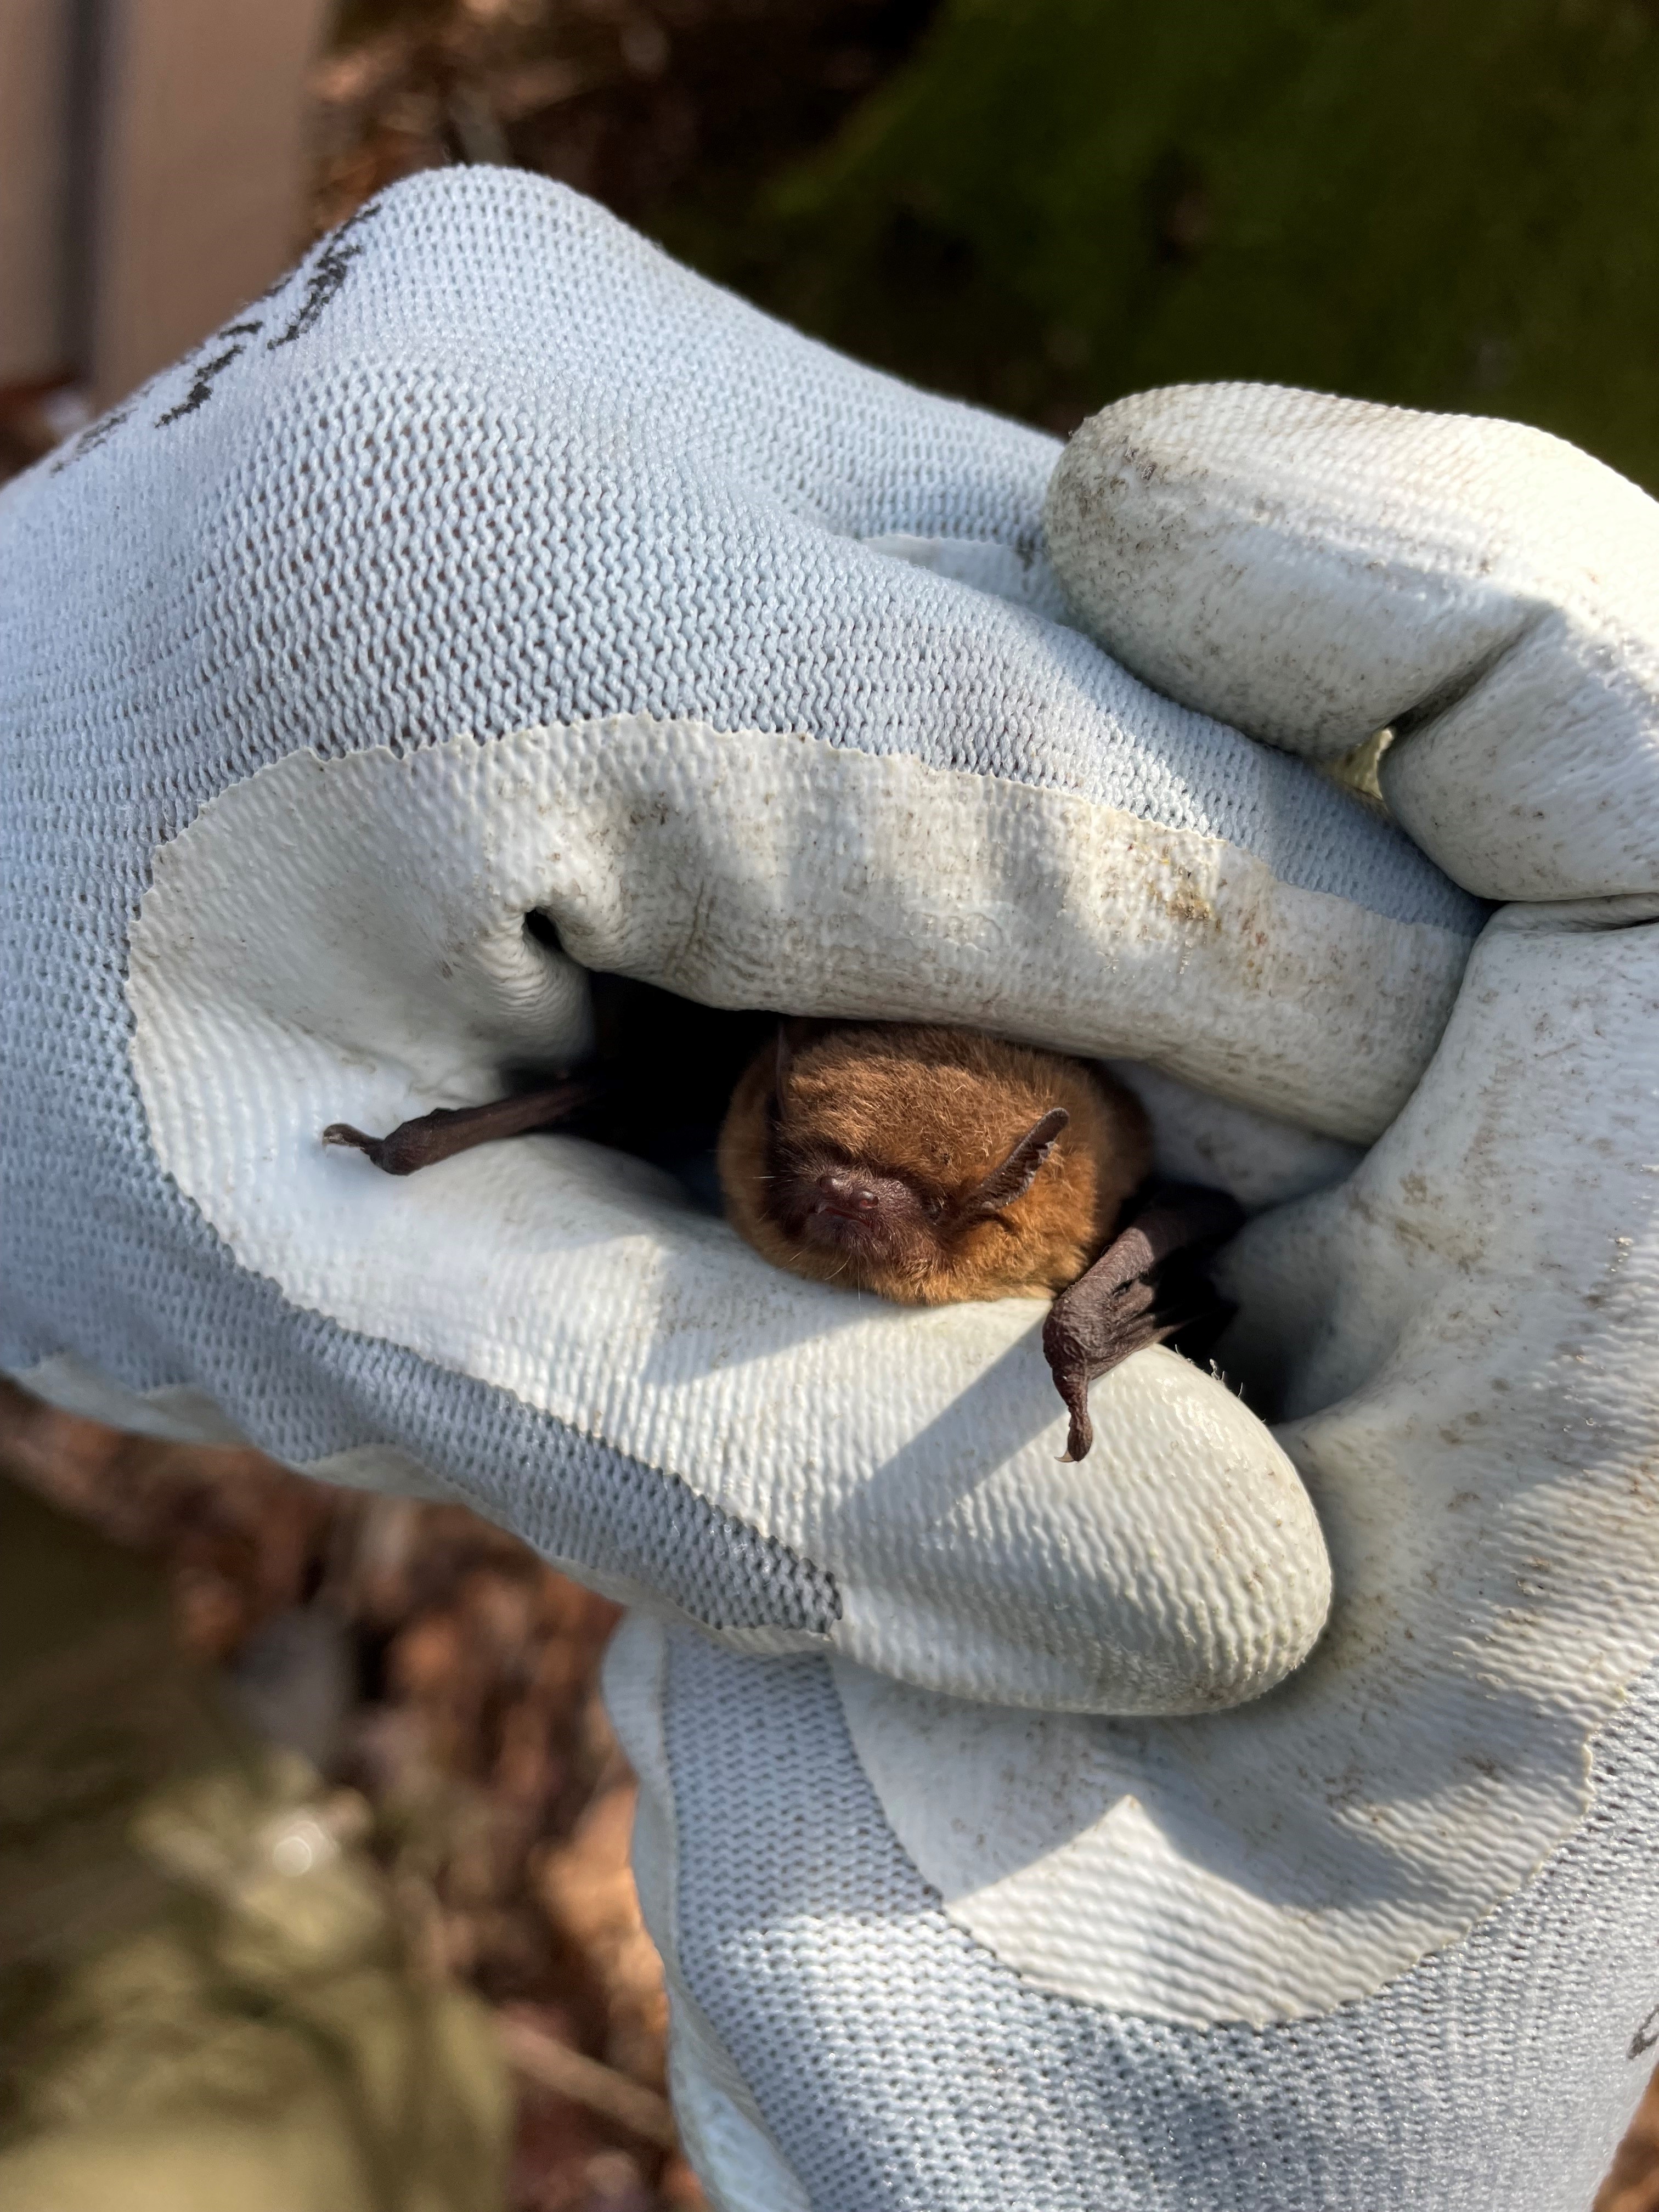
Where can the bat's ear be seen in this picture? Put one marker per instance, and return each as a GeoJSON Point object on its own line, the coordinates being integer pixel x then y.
{"type": "Point", "coordinates": [783, 1067]}
{"type": "Point", "coordinates": [1013, 1178]}
{"type": "Point", "coordinates": [795, 1032]}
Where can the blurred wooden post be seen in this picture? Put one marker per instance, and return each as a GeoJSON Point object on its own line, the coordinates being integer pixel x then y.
{"type": "Point", "coordinates": [152, 177]}
{"type": "Point", "coordinates": [197, 198]}
{"type": "Point", "coordinates": [36, 316]}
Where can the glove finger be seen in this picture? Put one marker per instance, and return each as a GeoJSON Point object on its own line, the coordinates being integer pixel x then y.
{"type": "Point", "coordinates": [1314, 570]}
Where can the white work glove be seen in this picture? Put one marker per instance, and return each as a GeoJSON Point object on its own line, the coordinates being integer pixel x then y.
{"type": "Point", "coordinates": [493, 565]}
{"type": "Point", "coordinates": [1390, 1934]}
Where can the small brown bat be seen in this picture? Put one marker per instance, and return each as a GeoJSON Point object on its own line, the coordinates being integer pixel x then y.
{"type": "Point", "coordinates": [931, 1165]}
{"type": "Point", "coordinates": [927, 1164]}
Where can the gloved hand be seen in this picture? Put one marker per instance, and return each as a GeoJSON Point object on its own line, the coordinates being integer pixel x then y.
{"type": "Point", "coordinates": [493, 565]}
{"type": "Point", "coordinates": [1390, 1934]}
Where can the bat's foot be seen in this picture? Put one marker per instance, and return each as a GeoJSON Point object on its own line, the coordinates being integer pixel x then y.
{"type": "Point", "coordinates": [1091, 1328]}
{"type": "Point", "coordinates": [1148, 1287]}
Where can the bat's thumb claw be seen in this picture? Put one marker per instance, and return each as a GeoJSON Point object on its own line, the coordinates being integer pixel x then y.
{"type": "Point", "coordinates": [342, 1132]}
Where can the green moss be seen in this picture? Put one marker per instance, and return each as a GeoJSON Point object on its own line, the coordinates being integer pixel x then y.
{"type": "Point", "coordinates": [1058, 200]}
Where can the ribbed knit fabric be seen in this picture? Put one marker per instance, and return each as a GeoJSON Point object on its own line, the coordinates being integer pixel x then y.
{"type": "Point", "coordinates": [902, 2068]}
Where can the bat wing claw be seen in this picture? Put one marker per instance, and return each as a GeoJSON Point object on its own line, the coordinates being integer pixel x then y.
{"type": "Point", "coordinates": [342, 1132]}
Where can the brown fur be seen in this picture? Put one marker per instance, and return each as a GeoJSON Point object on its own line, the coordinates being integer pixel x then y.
{"type": "Point", "coordinates": [937, 1109]}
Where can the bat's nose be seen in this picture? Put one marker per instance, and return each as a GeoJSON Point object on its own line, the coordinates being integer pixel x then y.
{"type": "Point", "coordinates": [851, 1195]}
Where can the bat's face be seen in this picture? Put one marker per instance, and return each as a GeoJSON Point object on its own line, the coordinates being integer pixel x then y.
{"type": "Point", "coordinates": [926, 1164]}
{"type": "Point", "coordinates": [871, 1215]}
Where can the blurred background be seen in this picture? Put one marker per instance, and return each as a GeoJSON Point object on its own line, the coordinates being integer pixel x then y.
{"type": "Point", "coordinates": [1036, 203]}
{"type": "Point", "coordinates": [219, 1674]}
